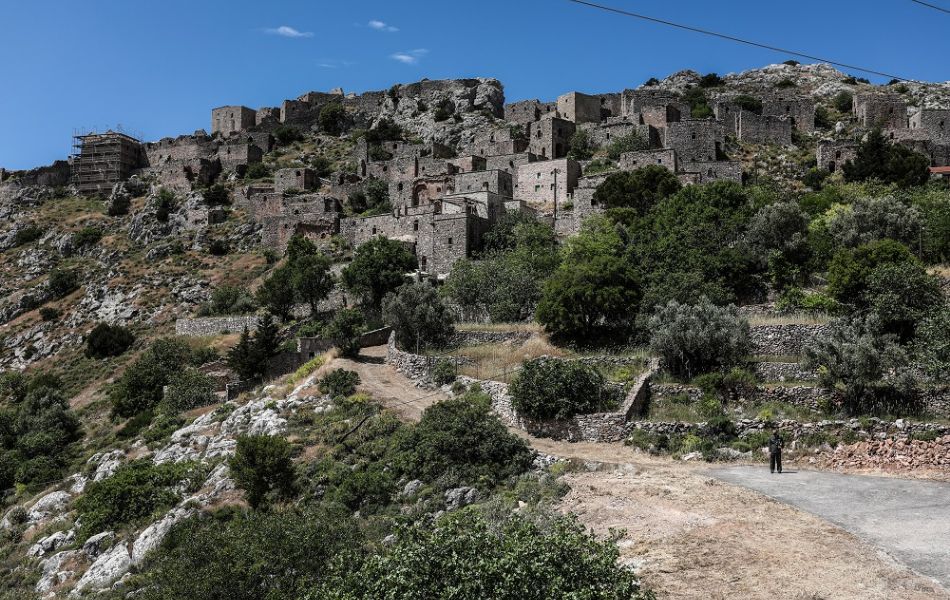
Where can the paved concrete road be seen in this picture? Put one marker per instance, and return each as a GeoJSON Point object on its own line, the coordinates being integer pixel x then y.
{"type": "Point", "coordinates": [908, 519]}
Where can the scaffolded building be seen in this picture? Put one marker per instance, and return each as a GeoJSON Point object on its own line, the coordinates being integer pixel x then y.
{"type": "Point", "coordinates": [100, 160]}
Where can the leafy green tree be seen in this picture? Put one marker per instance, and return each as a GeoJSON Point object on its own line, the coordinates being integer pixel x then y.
{"type": "Point", "coordinates": [843, 101]}
{"type": "Point", "coordinates": [469, 557]}
{"type": "Point", "coordinates": [277, 294]}
{"type": "Point", "coordinates": [379, 266]}
{"type": "Point", "coordinates": [548, 388]}
{"type": "Point", "coordinates": [692, 340]}
{"type": "Point", "coordinates": [62, 282]}
{"type": "Point", "coordinates": [933, 344]}
{"type": "Point", "coordinates": [752, 104]}
{"type": "Point", "coordinates": [345, 331]}
{"type": "Point", "coordinates": [333, 118]}
{"type": "Point", "coordinates": [778, 238]}
{"type": "Point", "coordinates": [377, 196]}
{"type": "Point", "coordinates": [640, 189]}
{"type": "Point", "coordinates": [287, 134]}
{"type": "Point", "coordinates": [875, 218]}
{"type": "Point", "coordinates": [877, 158]}
{"type": "Point", "coordinates": [866, 372]}
{"type": "Point", "coordinates": [581, 147]}
{"type": "Point", "coordinates": [461, 441]}
{"type": "Point", "coordinates": [230, 300]}
{"type": "Point", "coordinates": [250, 356]}
{"type": "Point", "coordinates": [850, 271]}
{"type": "Point", "coordinates": [107, 340]}
{"type": "Point", "coordinates": [590, 300]}
{"type": "Point", "coordinates": [139, 388]}
{"type": "Point", "coordinates": [263, 468]}
{"type": "Point", "coordinates": [418, 317]}
{"type": "Point", "coordinates": [313, 280]}
{"type": "Point", "coordinates": [189, 389]}
{"type": "Point", "coordinates": [900, 296]}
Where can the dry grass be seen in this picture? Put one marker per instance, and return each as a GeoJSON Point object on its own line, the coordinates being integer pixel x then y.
{"type": "Point", "coordinates": [501, 361]}
{"type": "Point", "coordinates": [532, 327]}
{"type": "Point", "coordinates": [790, 319]}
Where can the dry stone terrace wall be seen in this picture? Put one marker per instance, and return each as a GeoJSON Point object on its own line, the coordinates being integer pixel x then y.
{"type": "Point", "coordinates": [786, 339]}
{"type": "Point", "coordinates": [203, 326]}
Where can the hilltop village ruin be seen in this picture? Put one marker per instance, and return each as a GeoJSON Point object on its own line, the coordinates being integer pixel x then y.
{"type": "Point", "coordinates": [473, 158]}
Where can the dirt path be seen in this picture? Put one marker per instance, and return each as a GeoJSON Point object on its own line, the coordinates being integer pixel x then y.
{"type": "Point", "coordinates": [387, 385]}
{"type": "Point", "coordinates": [691, 535]}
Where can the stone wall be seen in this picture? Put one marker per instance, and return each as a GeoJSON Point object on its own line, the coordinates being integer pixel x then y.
{"type": "Point", "coordinates": [832, 155]}
{"type": "Point", "coordinates": [536, 181]}
{"type": "Point", "coordinates": [203, 326]}
{"type": "Point", "coordinates": [579, 108]}
{"type": "Point", "coordinates": [799, 110]}
{"type": "Point", "coordinates": [695, 140]}
{"type": "Point", "coordinates": [479, 337]}
{"type": "Point", "coordinates": [782, 371]}
{"type": "Point", "coordinates": [630, 161]}
{"type": "Point", "coordinates": [764, 129]}
{"type": "Point", "coordinates": [709, 171]}
{"type": "Point", "coordinates": [229, 119]}
{"type": "Point", "coordinates": [784, 340]}
{"type": "Point", "coordinates": [887, 111]}
{"type": "Point", "coordinates": [550, 137]}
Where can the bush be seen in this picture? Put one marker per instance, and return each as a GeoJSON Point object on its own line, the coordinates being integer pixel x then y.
{"type": "Point", "coordinates": [418, 317]}
{"type": "Point", "coordinates": [137, 490]}
{"type": "Point", "coordinates": [165, 204]}
{"type": "Point", "coordinates": [62, 282]}
{"type": "Point", "coordinates": [333, 118]}
{"type": "Point", "coordinates": [443, 373]}
{"type": "Point", "coordinates": [867, 373]}
{"type": "Point", "coordinates": [50, 313]}
{"type": "Point", "coordinates": [27, 234]}
{"type": "Point", "coordinates": [379, 266]}
{"type": "Point", "coordinates": [87, 236]}
{"type": "Point", "coordinates": [189, 389]}
{"type": "Point", "coordinates": [640, 189]}
{"type": "Point", "coordinates": [339, 383]}
{"type": "Point", "coordinates": [139, 388]}
{"type": "Point", "coordinates": [933, 344]}
{"type": "Point", "coordinates": [843, 101]}
{"type": "Point", "coordinates": [698, 339]}
{"type": "Point", "coordinates": [107, 340]}
{"type": "Point", "coordinates": [752, 104]}
{"type": "Point", "coordinates": [257, 171]}
{"type": "Point", "coordinates": [217, 195]}
{"type": "Point", "coordinates": [556, 389]}
{"type": "Point", "coordinates": [461, 441]}
{"type": "Point", "coordinates": [900, 296]}
{"type": "Point", "coordinates": [249, 357]}
{"type": "Point", "coordinates": [277, 294]}
{"type": "Point", "coordinates": [710, 80]}
{"type": "Point", "coordinates": [850, 271]}
{"type": "Point", "coordinates": [632, 142]}
{"type": "Point", "coordinates": [287, 134]}
{"type": "Point", "coordinates": [231, 300]}
{"type": "Point", "coordinates": [581, 147]}
{"type": "Point", "coordinates": [877, 158]}
{"type": "Point", "coordinates": [346, 330]}
{"type": "Point", "coordinates": [262, 467]}
{"type": "Point", "coordinates": [871, 219]}
{"type": "Point", "coordinates": [468, 556]}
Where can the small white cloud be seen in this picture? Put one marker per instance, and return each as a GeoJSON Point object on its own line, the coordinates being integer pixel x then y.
{"type": "Point", "coordinates": [411, 57]}
{"type": "Point", "coordinates": [381, 26]}
{"type": "Point", "coordinates": [289, 32]}
{"type": "Point", "coordinates": [332, 63]}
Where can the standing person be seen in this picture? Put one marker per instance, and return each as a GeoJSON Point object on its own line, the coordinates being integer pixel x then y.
{"type": "Point", "coordinates": [775, 451]}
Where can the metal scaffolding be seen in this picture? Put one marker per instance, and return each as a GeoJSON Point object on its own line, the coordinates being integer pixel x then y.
{"type": "Point", "coordinates": [100, 160]}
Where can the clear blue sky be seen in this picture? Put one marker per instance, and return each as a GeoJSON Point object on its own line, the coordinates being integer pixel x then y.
{"type": "Point", "coordinates": [157, 68]}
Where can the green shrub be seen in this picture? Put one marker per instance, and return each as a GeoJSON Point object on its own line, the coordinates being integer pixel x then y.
{"type": "Point", "coordinates": [333, 118]}
{"type": "Point", "coordinates": [87, 236]}
{"type": "Point", "coordinates": [263, 468]}
{"type": "Point", "coordinates": [165, 205]}
{"type": "Point", "coordinates": [461, 441]}
{"type": "Point", "coordinates": [557, 389]}
{"type": "Point", "coordinates": [107, 340]}
{"type": "Point", "coordinates": [632, 142]}
{"type": "Point", "coordinates": [418, 317]}
{"type": "Point", "coordinates": [339, 382]}
{"type": "Point", "coordinates": [50, 313]}
{"type": "Point", "coordinates": [443, 373]}
{"type": "Point", "coordinates": [230, 300]}
{"type": "Point", "coordinates": [640, 189]}
{"type": "Point", "coordinates": [27, 234]}
{"type": "Point", "coordinates": [710, 80]}
{"type": "Point", "coordinates": [136, 491]}
{"type": "Point", "coordinates": [189, 389]}
{"type": "Point", "coordinates": [698, 339]}
{"type": "Point", "coordinates": [469, 556]}
{"type": "Point", "coordinates": [346, 331]}
{"type": "Point", "coordinates": [843, 101]}
{"type": "Point", "coordinates": [581, 147]}
{"type": "Point", "coordinates": [287, 134]}
{"type": "Point", "coordinates": [379, 266]}
{"type": "Point", "coordinates": [249, 357]}
{"type": "Point", "coordinates": [752, 104]}
{"type": "Point", "coordinates": [217, 195]}
{"type": "Point", "coordinates": [877, 158]}
{"type": "Point", "coordinates": [62, 282]}
{"type": "Point", "coordinates": [257, 171]}
{"type": "Point", "coordinates": [139, 388]}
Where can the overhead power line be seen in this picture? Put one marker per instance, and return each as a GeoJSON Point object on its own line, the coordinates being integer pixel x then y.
{"type": "Point", "coordinates": [731, 38]}
{"type": "Point", "coordinates": [933, 6]}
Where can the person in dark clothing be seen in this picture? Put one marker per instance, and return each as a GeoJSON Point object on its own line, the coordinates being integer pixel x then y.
{"type": "Point", "coordinates": [775, 452]}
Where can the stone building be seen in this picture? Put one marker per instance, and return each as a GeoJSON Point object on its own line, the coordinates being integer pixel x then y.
{"type": "Point", "coordinates": [832, 155]}
{"type": "Point", "coordinates": [527, 111]}
{"type": "Point", "coordinates": [763, 129]}
{"type": "Point", "coordinates": [699, 172]}
{"type": "Point", "coordinates": [580, 108]}
{"type": "Point", "coordinates": [509, 162]}
{"type": "Point", "coordinates": [231, 119]}
{"type": "Point", "coordinates": [887, 111]}
{"type": "Point", "coordinates": [550, 137]}
{"type": "Point", "coordinates": [197, 160]}
{"type": "Point", "coordinates": [298, 179]}
{"type": "Point", "coordinates": [547, 182]}
{"type": "Point", "coordinates": [935, 122]}
{"type": "Point", "coordinates": [315, 216]}
{"type": "Point", "coordinates": [100, 160]}
{"type": "Point", "coordinates": [631, 161]}
{"type": "Point", "coordinates": [603, 134]}
{"type": "Point", "coordinates": [496, 182]}
{"type": "Point", "coordinates": [695, 140]}
{"type": "Point", "coordinates": [799, 110]}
